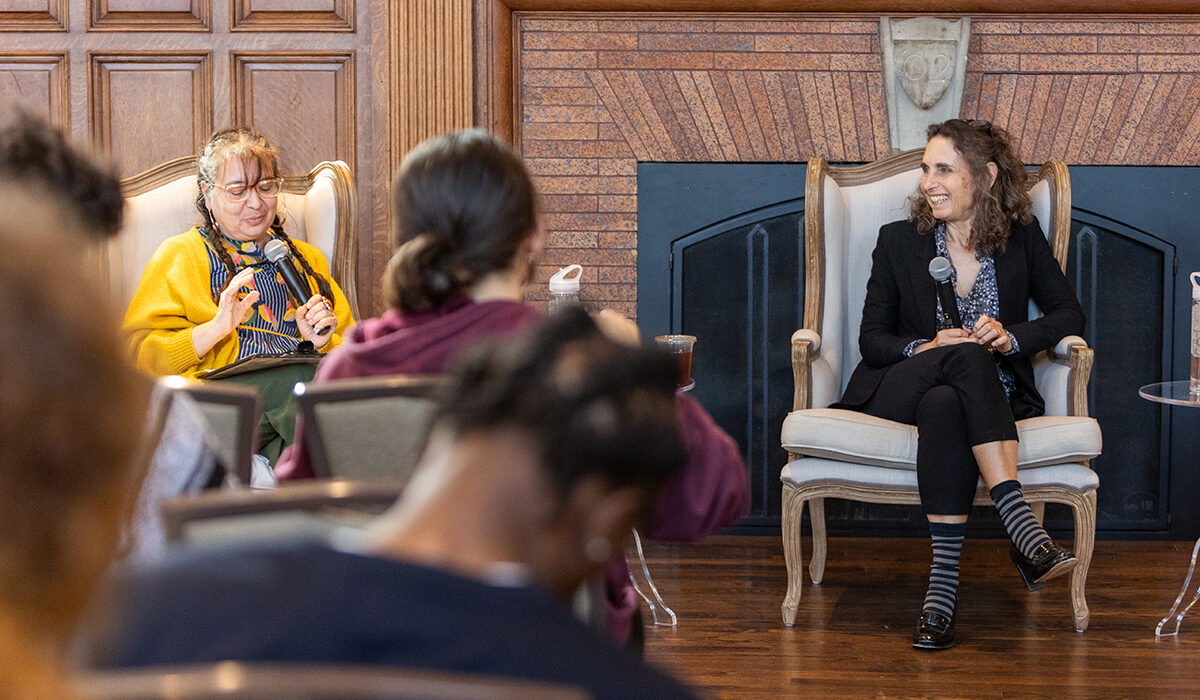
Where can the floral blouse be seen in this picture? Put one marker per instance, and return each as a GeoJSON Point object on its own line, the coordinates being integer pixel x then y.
{"type": "Point", "coordinates": [983, 299]}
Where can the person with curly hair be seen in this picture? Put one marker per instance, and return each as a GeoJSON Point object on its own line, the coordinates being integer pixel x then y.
{"type": "Point", "coordinates": [36, 159]}
{"type": "Point", "coordinates": [545, 448]}
{"type": "Point", "coordinates": [210, 297]}
{"type": "Point", "coordinates": [964, 387]}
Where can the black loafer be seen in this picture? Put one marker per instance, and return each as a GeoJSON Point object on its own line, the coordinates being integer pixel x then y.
{"type": "Point", "coordinates": [1049, 560]}
{"type": "Point", "coordinates": [934, 632]}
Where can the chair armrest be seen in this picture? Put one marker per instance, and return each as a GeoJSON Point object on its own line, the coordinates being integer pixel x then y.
{"type": "Point", "coordinates": [1072, 353]}
{"type": "Point", "coordinates": [806, 344]}
{"type": "Point", "coordinates": [1061, 352]}
{"type": "Point", "coordinates": [1080, 359]}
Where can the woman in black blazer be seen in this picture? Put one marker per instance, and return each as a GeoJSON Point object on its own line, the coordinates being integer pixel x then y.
{"type": "Point", "coordinates": [964, 387]}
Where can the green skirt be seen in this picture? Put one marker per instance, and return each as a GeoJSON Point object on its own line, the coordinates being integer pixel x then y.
{"type": "Point", "coordinates": [277, 426]}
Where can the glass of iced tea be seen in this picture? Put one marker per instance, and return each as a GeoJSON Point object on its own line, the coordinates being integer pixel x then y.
{"type": "Point", "coordinates": [681, 347]}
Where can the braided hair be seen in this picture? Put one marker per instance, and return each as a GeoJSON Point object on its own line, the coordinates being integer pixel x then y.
{"type": "Point", "coordinates": [248, 144]}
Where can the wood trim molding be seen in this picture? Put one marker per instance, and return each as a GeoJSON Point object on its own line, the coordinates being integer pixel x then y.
{"type": "Point", "coordinates": [157, 176]}
{"type": "Point", "coordinates": [53, 19]}
{"type": "Point", "coordinates": [893, 7]}
{"type": "Point", "coordinates": [341, 63]}
{"type": "Point", "coordinates": [495, 67]}
{"type": "Point", "coordinates": [851, 175]}
{"type": "Point", "coordinates": [243, 17]}
{"type": "Point", "coordinates": [1059, 178]}
{"type": "Point", "coordinates": [57, 68]}
{"type": "Point", "coordinates": [814, 243]}
{"type": "Point", "coordinates": [431, 76]}
{"type": "Point", "coordinates": [197, 18]}
{"type": "Point", "coordinates": [100, 68]}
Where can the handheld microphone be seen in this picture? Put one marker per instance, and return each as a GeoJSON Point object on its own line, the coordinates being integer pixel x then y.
{"type": "Point", "coordinates": [278, 253]}
{"type": "Point", "coordinates": [939, 270]}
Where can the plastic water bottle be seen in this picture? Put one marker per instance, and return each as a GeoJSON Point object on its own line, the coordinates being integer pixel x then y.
{"type": "Point", "coordinates": [1194, 385]}
{"type": "Point", "coordinates": [564, 288]}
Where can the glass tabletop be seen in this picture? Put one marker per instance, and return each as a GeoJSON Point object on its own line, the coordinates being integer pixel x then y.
{"type": "Point", "coordinates": [1176, 393]}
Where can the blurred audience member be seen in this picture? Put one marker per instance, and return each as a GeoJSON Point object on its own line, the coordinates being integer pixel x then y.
{"type": "Point", "coordinates": [71, 422]}
{"type": "Point", "coordinates": [468, 235]}
{"type": "Point", "coordinates": [37, 162]}
{"type": "Point", "coordinates": [544, 452]}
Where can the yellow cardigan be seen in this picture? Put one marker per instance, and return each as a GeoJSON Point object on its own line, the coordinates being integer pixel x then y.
{"type": "Point", "coordinates": [175, 295]}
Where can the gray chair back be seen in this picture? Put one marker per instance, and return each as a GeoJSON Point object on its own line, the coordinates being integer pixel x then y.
{"type": "Point", "coordinates": [232, 412]}
{"type": "Point", "coordinates": [305, 507]}
{"type": "Point", "coordinates": [368, 427]}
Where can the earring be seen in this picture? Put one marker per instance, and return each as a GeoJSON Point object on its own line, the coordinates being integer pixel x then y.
{"type": "Point", "coordinates": [597, 549]}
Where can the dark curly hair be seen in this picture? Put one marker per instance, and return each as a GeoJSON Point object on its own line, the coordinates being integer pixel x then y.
{"type": "Point", "coordinates": [463, 203]}
{"type": "Point", "coordinates": [589, 405]}
{"type": "Point", "coordinates": [979, 143]}
{"type": "Point", "coordinates": [37, 154]}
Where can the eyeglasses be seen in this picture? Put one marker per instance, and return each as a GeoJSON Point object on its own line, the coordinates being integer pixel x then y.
{"type": "Point", "coordinates": [980, 124]}
{"type": "Point", "coordinates": [267, 189]}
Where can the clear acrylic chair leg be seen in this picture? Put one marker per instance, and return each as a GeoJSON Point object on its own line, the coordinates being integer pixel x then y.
{"type": "Point", "coordinates": [1176, 615]}
{"type": "Point", "coordinates": [661, 614]}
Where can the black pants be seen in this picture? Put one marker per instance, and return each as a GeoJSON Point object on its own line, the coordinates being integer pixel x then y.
{"type": "Point", "coordinates": [954, 397]}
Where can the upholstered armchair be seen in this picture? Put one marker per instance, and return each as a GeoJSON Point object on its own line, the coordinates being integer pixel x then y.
{"type": "Point", "coordinates": [837, 453]}
{"type": "Point", "coordinates": [320, 207]}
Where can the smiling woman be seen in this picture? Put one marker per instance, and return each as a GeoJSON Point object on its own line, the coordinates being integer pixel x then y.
{"type": "Point", "coordinates": [964, 387]}
{"type": "Point", "coordinates": [209, 296]}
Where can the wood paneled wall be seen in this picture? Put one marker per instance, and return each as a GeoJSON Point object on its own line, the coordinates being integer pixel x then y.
{"type": "Point", "coordinates": [146, 81]}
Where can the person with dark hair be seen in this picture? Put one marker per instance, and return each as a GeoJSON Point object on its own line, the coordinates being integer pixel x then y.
{"type": "Point", "coordinates": [72, 447]}
{"type": "Point", "coordinates": [37, 155]}
{"type": "Point", "coordinates": [209, 297]}
{"type": "Point", "coordinates": [544, 450]}
{"type": "Point", "coordinates": [467, 237]}
{"type": "Point", "coordinates": [37, 163]}
{"type": "Point", "coordinates": [964, 387]}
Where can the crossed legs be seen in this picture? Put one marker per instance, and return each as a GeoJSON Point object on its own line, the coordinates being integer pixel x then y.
{"type": "Point", "coordinates": [965, 431]}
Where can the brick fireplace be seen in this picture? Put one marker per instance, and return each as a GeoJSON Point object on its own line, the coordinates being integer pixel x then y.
{"type": "Point", "coordinates": [596, 93]}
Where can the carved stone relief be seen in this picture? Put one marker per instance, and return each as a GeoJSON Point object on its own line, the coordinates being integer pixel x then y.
{"type": "Point", "coordinates": [924, 68]}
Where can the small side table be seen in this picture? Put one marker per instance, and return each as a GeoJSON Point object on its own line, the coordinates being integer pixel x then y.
{"type": "Point", "coordinates": [661, 615]}
{"type": "Point", "coordinates": [1176, 394]}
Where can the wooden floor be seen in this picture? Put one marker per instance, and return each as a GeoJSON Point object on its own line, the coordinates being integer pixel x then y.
{"type": "Point", "coordinates": [852, 633]}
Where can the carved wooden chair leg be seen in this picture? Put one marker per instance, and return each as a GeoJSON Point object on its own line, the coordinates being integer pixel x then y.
{"type": "Point", "coordinates": [1084, 508]}
{"type": "Point", "coordinates": [793, 550]}
{"type": "Point", "coordinates": [816, 518]}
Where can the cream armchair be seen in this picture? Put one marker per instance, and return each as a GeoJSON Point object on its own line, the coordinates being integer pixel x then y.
{"type": "Point", "coordinates": [320, 208]}
{"type": "Point", "coordinates": [845, 454]}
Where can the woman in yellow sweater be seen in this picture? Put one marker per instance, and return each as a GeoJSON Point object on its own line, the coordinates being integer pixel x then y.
{"type": "Point", "coordinates": [209, 297]}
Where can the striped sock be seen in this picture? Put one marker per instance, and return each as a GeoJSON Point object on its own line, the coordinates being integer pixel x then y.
{"type": "Point", "coordinates": [943, 575]}
{"type": "Point", "coordinates": [1022, 527]}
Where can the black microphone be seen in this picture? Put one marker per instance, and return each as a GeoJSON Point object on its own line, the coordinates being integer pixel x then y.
{"type": "Point", "coordinates": [278, 253]}
{"type": "Point", "coordinates": [939, 270]}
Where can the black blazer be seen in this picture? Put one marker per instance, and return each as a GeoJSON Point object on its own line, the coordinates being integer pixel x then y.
{"type": "Point", "coordinates": [901, 306]}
